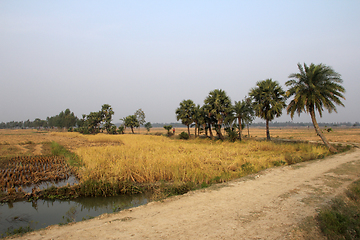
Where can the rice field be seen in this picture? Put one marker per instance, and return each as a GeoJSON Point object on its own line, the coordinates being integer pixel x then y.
{"type": "Point", "coordinates": [149, 159]}
{"type": "Point", "coordinates": [18, 172]}
{"type": "Point", "coordinates": [152, 158]}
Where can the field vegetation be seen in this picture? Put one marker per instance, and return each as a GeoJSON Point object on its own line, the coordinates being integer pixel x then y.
{"type": "Point", "coordinates": [109, 164]}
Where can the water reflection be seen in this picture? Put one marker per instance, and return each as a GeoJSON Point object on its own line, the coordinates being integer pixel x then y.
{"type": "Point", "coordinates": [43, 213]}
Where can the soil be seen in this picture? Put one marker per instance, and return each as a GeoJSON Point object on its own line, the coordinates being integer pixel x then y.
{"type": "Point", "coordinates": [276, 203]}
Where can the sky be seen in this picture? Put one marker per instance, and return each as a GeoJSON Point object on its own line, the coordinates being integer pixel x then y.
{"type": "Point", "coordinates": [152, 55]}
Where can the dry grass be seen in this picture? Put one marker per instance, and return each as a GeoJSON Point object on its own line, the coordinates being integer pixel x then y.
{"type": "Point", "coordinates": [148, 159]}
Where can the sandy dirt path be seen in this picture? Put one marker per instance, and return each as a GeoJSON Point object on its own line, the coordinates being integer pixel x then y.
{"type": "Point", "coordinates": [269, 205]}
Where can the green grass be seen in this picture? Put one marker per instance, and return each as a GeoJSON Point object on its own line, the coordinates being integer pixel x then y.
{"type": "Point", "coordinates": [341, 220]}
{"type": "Point", "coordinates": [59, 150]}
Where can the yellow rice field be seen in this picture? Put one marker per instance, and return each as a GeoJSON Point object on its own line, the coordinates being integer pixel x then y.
{"type": "Point", "coordinates": [148, 159]}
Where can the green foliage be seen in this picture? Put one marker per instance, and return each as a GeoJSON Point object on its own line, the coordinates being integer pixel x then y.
{"type": "Point", "coordinates": [140, 116]}
{"type": "Point", "coordinates": [232, 135]}
{"type": "Point", "coordinates": [72, 158]}
{"type": "Point", "coordinates": [148, 126]}
{"type": "Point", "coordinates": [341, 219]}
{"type": "Point", "coordinates": [184, 135]}
{"type": "Point", "coordinates": [185, 113]}
{"type": "Point", "coordinates": [244, 112]}
{"type": "Point", "coordinates": [121, 129]}
{"type": "Point", "coordinates": [314, 88]}
{"type": "Point", "coordinates": [18, 231]}
{"type": "Point", "coordinates": [107, 112]}
{"type": "Point", "coordinates": [112, 130]}
{"type": "Point", "coordinates": [268, 101]}
{"type": "Point", "coordinates": [168, 128]}
{"type": "Point", "coordinates": [219, 107]}
{"type": "Point", "coordinates": [131, 121]}
{"type": "Point", "coordinates": [65, 119]}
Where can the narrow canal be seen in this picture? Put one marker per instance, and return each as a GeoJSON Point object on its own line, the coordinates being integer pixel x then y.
{"type": "Point", "coordinates": [43, 213]}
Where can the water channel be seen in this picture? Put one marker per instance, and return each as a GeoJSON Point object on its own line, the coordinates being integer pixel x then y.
{"type": "Point", "coordinates": [43, 213]}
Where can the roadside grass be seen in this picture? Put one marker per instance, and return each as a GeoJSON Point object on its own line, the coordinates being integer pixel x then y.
{"type": "Point", "coordinates": [341, 220]}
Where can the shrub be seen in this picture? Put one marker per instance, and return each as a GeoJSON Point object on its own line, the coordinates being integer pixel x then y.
{"type": "Point", "coordinates": [184, 135]}
{"type": "Point", "coordinates": [121, 129]}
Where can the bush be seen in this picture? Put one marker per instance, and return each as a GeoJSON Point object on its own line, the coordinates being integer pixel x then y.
{"type": "Point", "coordinates": [184, 135]}
{"type": "Point", "coordinates": [232, 135]}
{"type": "Point", "coordinates": [121, 129]}
{"type": "Point", "coordinates": [112, 130]}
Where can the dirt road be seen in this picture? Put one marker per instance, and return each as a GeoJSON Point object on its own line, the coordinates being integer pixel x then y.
{"type": "Point", "coordinates": [270, 205]}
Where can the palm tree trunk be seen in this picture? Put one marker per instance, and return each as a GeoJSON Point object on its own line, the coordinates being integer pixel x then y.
{"type": "Point", "coordinates": [319, 133]}
{"type": "Point", "coordinates": [239, 120]}
{"type": "Point", "coordinates": [211, 134]}
{"type": "Point", "coordinates": [267, 131]}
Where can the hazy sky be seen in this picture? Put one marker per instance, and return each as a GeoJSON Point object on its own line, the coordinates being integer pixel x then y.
{"type": "Point", "coordinates": [153, 54]}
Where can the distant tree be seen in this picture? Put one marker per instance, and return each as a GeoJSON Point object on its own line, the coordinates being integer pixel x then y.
{"type": "Point", "coordinates": [148, 126]}
{"type": "Point", "coordinates": [249, 116]}
{"type": "Point", "coordinates": [199, 118]}
{"type": "Point", "coordinates": [185, 113]}
{"type": "Point", "coordinates": [131, 121]}
{"type": "Point", "coordinates": [93, 122]}
{"type": "Point", "coordinates": [244, 113]}
{"type": "Point", "coordinates": [107, 113]}
{"type": "Point", "coordinates": [269, 100]}
{"type": "Point", "coordinates": [168, 128]}
{"type": "Point", "coordinates": [314, 88]}
{"type": "Point", "coordinates": [140, 116]}
{"type": "Point", "coordinates": [220, 106]}
{"type": "Point", "coordinates": [121, 129]}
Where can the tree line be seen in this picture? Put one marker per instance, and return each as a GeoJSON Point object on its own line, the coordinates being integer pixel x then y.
{"type": "Point", "coordinates": [313, 89]}
{"type": "Point", "coordinates": [91, 123]}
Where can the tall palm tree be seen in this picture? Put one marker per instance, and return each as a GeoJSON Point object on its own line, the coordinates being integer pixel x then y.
{"type": "Point", "coordinates": [314, 88]}
{"type": "Point", "coordinates": [269, 100]}
{"type": "Point", "coordinates": [185, 113]}
{"type": "Point", "coordinates": [244, 112]}
{"type": "Point", "coordinates": [219, 105]}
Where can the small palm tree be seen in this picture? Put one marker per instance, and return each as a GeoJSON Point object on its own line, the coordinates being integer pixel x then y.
{"type": "Point", "coordinates": [268, 101]}
{"type": "Point", "coordinates": [185, 113]}
{"type": "Point", "coordinates": [314, 88]}
{"type": "Point", "coordinates": [244, 112]}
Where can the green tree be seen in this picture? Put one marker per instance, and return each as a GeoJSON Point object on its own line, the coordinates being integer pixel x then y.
{"type": "Point", "coordinates": [268, 101]}
{"type": "Point", "coordinates": [94, 120]}
{"type": "Point", "coordinates": [148, 126]}
{"type": "Point", "coordinates": [244, 113]}
{"type": "Point", "coordinates": [314, 88]}
{"type": "Point", "coordinates": [107, 113]}
{"type": "Point", "coordinates": [140, 116]}
{"type": "Point", "coordinates": [199, 118]}
{"type": "Point", "coordinates": [219, 105]}
{"type": "Point", "coordinates": [121, 129]}
{"type": "Point", "coordinates": [131, 121]}
{"type": "Point", "coordinates": [185, 113]}
{"type": "Point", "coordinates": [168, 128]}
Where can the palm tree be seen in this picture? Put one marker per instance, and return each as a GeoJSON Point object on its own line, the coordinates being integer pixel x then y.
{"type": "Point", "coordinates": [316, 87]}
{"type": "Point", "coordinates": [219, 105]}
{"type": "Point", "coordinates": [199, 118]}
{"type": "Point", "coordinates": [244, 112]}
{"type": "Point", "coordinates": [185, 113]}
{"type": "Point", "coordinates": [269, 100]}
